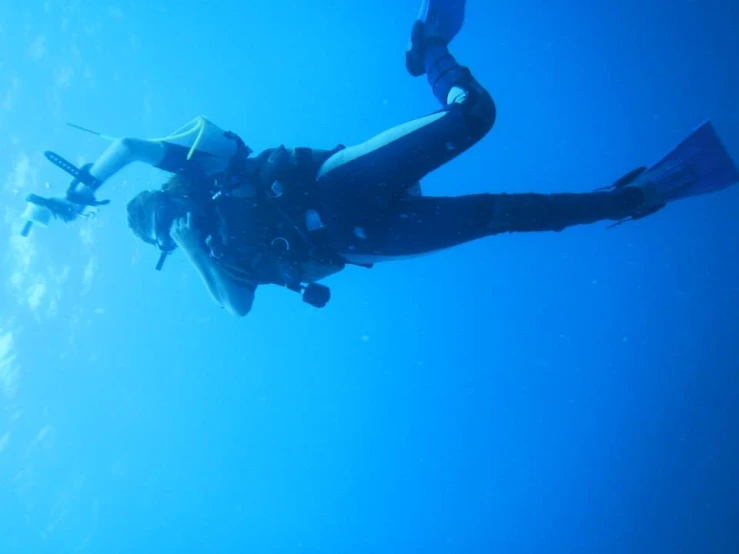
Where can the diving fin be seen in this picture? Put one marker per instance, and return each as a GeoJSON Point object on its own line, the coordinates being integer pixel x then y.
{"type": "Point", "coordinates": [700, 164]}
{"type": "Point", "coordinates": [442, 19]}
{"type": "Point", "coordinates": [626, 180]}
{"type": "Point", "coordinates": [438, 20]}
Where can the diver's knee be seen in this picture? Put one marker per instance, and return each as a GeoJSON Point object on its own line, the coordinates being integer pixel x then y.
{"type": "Point", "coordinates": [482, 112]}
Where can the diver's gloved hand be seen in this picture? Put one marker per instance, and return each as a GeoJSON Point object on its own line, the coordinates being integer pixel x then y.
{"type": "Point", "coordinates": [82, 188]}
{"type": "Point", "coordinates": [42, 210]}
{"type": "Point", "coordinates": [84, 196]}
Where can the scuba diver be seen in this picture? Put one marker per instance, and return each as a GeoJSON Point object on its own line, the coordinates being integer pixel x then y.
{"type": "Point", "coordinates": [294, 216]}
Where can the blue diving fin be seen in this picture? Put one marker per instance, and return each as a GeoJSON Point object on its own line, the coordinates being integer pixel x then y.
{"type": "Point", "coordinates": [700, 164]}
{"type": "Point", "coordinates": [438, 20]}
{"type": "Point", "coordinates": [442, 19]}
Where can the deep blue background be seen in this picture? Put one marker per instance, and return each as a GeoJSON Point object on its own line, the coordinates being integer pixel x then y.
{"type": "Point", "coordinates": [570, 392]}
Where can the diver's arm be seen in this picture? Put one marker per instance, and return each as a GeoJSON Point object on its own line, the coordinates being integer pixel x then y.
{"type": "Point", "coordinates": [236, 299]}
{"type": "Point", "coordinates": [125, 151]}
{"type": "Point", "coordinates": [118, 155]}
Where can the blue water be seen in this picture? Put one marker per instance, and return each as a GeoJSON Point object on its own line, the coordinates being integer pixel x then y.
{"type": "Point", "coordinates": [565, 392]}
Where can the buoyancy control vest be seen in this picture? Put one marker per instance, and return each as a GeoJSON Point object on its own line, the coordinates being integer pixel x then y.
{"type": "Point", "coordinates": [265, 225]}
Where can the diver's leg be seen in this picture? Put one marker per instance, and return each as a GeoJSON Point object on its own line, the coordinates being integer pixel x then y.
{"type": "Point", "coordinates": [399, 157]}
{"type": "Point", "coordinates": [402, 156]}
{"type": "Point", "coordinates": [427, 224]}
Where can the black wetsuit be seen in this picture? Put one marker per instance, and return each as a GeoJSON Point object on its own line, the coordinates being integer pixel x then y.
{"type": "Point", "coordinates": [368, 211]}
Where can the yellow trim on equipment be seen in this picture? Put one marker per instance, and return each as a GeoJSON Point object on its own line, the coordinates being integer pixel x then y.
{"type": "Point", "coordinates": [197, 125]}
